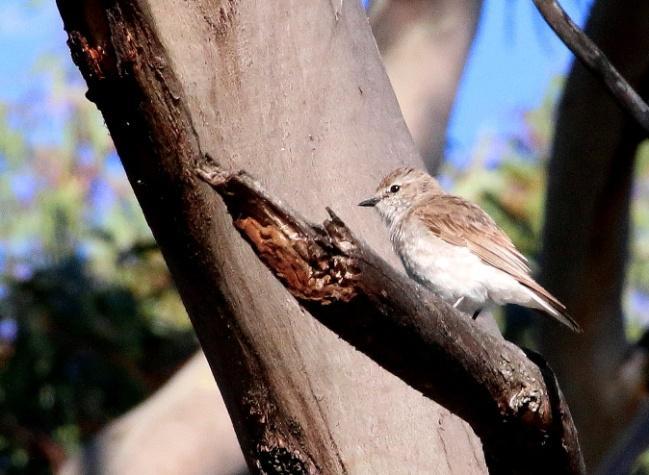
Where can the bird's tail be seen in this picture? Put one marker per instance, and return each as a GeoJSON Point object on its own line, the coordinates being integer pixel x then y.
{"type": "Point", "coordinates": [552, 307]}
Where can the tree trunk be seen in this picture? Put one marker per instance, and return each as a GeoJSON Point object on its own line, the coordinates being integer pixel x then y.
{"type": "Point", "coordinates": [298, 96]}
{"type": "Point", "coordinates": [424, 44]}
{"type": "Point", "coordinates": [587, 223]}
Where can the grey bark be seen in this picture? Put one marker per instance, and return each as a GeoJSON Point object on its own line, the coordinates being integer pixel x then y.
{"type": "Point", "coordinates": [585, 238]}
{"type": "Point", "coordinates": [424, 45]}
{"type": "Point", "coordinates": [298, 96]}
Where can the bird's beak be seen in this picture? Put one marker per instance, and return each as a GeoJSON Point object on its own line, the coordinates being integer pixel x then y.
{"type": "Point", "coordinates": [369, 202]}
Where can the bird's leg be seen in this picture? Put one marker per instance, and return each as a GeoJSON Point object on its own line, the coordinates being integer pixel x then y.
{"type": "Point", "coordinates": [476, 313]}
{"type": "Point", "coordinates": [458, 302]}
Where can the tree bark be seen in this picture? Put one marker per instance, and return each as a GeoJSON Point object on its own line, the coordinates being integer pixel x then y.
{"type": "Point", "coordinates": [424, 44]}
{"type": "Point", "coordinates": [512, 402]}
{"type": "Point", "coordinates": [297, 96]}
{"type": "Point", "coordinates": [585, 237]}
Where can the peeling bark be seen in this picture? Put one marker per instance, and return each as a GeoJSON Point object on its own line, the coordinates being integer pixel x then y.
{"type": "Point", "coordinates": [510, 400]}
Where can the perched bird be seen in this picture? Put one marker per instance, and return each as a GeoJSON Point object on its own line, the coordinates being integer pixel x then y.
{"type": "Point", "coordinates": [454, 248]}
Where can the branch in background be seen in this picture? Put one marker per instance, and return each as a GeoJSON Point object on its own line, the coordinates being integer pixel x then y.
{"type": "Point", "coordinates": [634, 440]}
{"type": "Point", "coordinates": [183, 428]}
{"type": "Point", "coordinates": [624, 454]}
{"type": "Point", "coordinates": [514, 406]}
{"type": "Point", "coordinates": [586, 231]}
{"type": "Point", "coordinates": [582, 46]}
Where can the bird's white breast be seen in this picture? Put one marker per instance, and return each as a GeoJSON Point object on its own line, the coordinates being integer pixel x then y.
{"type": "Point", "coordinates": [451, 271]}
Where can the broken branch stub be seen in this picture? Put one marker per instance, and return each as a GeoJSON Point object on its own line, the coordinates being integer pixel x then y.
{"type": "Point", "coordinates": [309, 261]}
{"type": "Point", "coordinates": [513, 405]}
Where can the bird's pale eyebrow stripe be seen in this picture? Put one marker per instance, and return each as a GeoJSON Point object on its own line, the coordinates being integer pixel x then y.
{"type": "Point", "coordinates": [399, 172]}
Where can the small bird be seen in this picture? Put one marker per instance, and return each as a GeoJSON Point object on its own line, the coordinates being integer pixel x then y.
{"type": "Point", "coordinates": [454, 248]}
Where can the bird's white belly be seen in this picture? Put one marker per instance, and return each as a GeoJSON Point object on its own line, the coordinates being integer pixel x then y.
{"type": "Point", "coordinates": [453, 271]}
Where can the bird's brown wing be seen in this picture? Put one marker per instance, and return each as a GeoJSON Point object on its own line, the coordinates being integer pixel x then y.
{"type": "Point", "coordinates": [462, 223]}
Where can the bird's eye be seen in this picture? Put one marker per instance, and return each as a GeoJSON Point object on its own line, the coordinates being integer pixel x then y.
{"type": "Point", "coordinates": [394, 188]}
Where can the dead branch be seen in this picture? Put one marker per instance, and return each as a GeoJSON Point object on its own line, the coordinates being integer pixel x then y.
{"type": "Point", "coordinates": [511, 401]}
{"type": "Point", "coordinates": [594, 59]}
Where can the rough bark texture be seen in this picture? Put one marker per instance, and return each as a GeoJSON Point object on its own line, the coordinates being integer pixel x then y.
{"type": "Point", "coordinates": [514, 405]}
{"type": "Point", "coordinates": [182, 429]}
{"type": "Point", "coordinates": [587, 223]}
{"type": "Point", "coordinates": [297, 96]}
{"type": "Point", "coordinates": [424, 44]}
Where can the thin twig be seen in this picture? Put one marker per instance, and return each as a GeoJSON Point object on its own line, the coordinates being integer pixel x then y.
{"type": "Point", "coordinates": [594, 59]}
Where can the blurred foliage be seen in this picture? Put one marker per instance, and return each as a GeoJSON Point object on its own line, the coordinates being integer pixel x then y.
{"type": "Point", "coordinates": [642, 465]}
{"type": "Point", "coordinates": [637, 301]}
{"type": "Point", "coordinates": [90, 323]}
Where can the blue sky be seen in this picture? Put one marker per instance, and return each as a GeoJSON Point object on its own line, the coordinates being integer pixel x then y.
{"type": "Point", "coordinates": [26, 33]}
{"type": "Point", "coordinates": [513, 60]}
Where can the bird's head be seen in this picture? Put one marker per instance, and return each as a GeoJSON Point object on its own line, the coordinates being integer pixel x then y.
{"type": "Point", "coordinates": [399, 191]}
